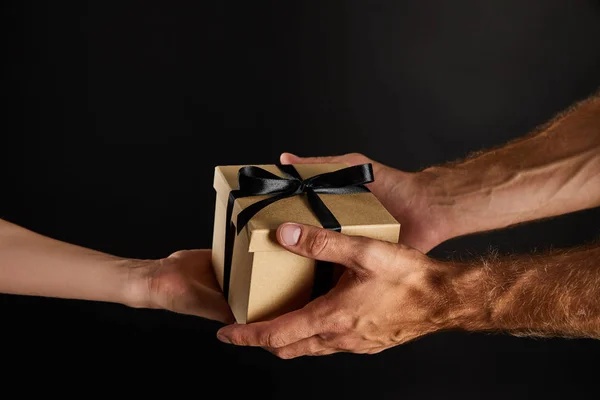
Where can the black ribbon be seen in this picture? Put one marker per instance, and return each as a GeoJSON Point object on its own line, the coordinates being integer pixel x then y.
{"type": "Point", "coordinates": [255, 181]}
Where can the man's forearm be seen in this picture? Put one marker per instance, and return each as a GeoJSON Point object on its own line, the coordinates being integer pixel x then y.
{"type": "Point", "coordinates": [554, 294]}
{"type": "Point", "coordinates": [32, 264]}
{"type": "Point", "coordinates": [552, 171]}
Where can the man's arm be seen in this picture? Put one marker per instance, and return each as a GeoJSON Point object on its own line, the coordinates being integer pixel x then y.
{"type": "Point", "coordinates": [551, 294]}
{"type": "Point", "coordinates": [391, 294]}
{"type": "Point", "coordinates": [552, 171]}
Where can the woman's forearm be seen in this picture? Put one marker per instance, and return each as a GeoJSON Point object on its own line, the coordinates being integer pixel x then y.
{"type": "Point", "coordinates": [553, 171]}
{"type": "Point", "coordinates": [32, 264]}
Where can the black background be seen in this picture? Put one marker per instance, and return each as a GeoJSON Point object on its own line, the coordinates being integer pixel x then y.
{"type": "Point", "coordinates": [117, 112]}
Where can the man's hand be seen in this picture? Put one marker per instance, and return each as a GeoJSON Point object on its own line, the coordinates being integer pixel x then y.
{"type": "Point", "coordinates": [389, 294]}
{"type": "Point", "coordinates": [184, 282]}
{"type": "Point", "coordinates": [552, 171]}
{"type": "Point", "coordinates": [401, 193]}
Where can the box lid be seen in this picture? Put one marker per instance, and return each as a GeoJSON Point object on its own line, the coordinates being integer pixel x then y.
{"type": "Point", "coordinates": [359, 214]}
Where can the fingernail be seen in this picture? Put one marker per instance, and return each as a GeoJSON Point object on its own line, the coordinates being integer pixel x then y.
{"type": "Point", "coordinates": [223, 338]}
{"type": "Point", "coordinates": [290, 233]}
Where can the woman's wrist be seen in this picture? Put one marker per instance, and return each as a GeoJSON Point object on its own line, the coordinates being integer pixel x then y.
{"type": "Point", "coordinates": [136, 279]}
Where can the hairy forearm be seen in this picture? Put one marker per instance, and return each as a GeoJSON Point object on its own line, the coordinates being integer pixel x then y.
{"type": "Point", "coordinates": [32, 264]}
{"type": "Point", "coordinates": [553, 294]}
{"type": "Point", "coordinates": [552, 171]}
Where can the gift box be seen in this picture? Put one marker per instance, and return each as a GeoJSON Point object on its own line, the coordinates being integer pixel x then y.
{"type": "Point", "coordinates": [261, 279]}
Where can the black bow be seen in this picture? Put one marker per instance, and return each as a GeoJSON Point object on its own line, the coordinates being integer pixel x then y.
{"type": "Point", "coordinates": [255, 181]}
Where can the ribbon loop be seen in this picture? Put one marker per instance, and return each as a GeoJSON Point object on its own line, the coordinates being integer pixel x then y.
{"type": "Point", "coordinates": [254, 181]}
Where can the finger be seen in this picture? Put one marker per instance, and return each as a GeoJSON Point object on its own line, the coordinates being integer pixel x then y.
{"type": "Point", "coordinates": [281, 331]}
{"type": "Point", "coordinates": [194, 253]}
{"type": "Point", "coordinates": [223, 316]}
{"type": "Point", "coordinates": [350, 159]}
{"type": "Point", "coordinates": [357, 350]}
{"type": "Point", "coordinates": [326, 352]}
{"type": "Point", "coordinates": [206, 303]}
{"type": "Point", "coordinates": [326, 245]}
{"type": "Point", "coordinates": [317, 346]}
{"type": "Point", "coordinates": [306, 347]}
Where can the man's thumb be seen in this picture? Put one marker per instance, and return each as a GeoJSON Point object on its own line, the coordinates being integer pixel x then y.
{"type": "Point", "coordinates": [322, 244]}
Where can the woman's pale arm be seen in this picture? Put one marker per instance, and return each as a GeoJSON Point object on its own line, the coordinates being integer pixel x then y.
{"type": "Point", "coordinates": [36, 265]}
{"type": "Point", "coordinates": [33, 264]}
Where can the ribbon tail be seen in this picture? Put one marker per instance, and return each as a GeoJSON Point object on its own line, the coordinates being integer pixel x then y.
{"type": "Point", "coordinates": [290, 171]}
{"type": "Point", "coordinates": [324, 270]}
{"type": "Point", "coordinates": [229, 241]}
{"type": "Point", "coordinates": [325, 216]}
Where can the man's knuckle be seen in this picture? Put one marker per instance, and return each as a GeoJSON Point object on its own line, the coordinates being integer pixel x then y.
{"type": "Point", "coordinates": [178, 253]}
{"type": "Point", "coordinates": [283, 353]}
{"type": "Point", "coordinates": [364, 244]}
{"type": "Point", "coordinates": [357, 157]}
{"type": "Point", "coordinates": [318, 242]}
{"type": "Point", "coordinates": [361, 256]}
{"type": "Point", "coordinates": [326, 337]}
{"type": "Point", "coordinates": [279, 353]}
{"type": "Point", "coordinates": [364, 251]}
{"type": "Point", "coordinates": [273, 339]}
{"type": "Point", "coordinates": [375, 254]}
{"type": "Point", "coordinates": [238, 338]}
{"type": "Point", "coordinates": [345, 344]}
{"type": "Point", "coordinates": [341, 322]}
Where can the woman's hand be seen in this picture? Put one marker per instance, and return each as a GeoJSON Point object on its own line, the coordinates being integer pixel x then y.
{"type": "Point", "coordinates": [184, 283]}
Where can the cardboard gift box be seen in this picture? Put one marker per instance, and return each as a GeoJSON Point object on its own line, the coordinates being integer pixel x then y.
{"type": "Point", "coordinates": [260, 278]}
